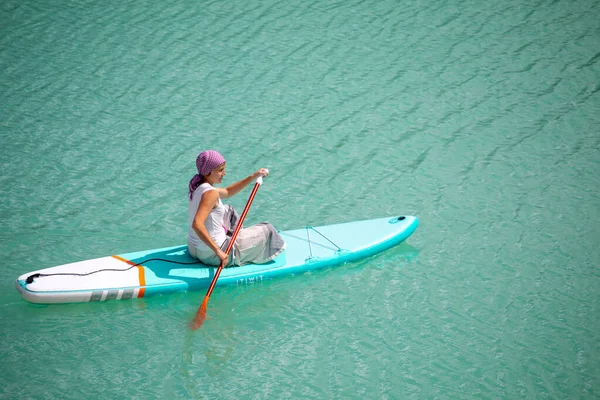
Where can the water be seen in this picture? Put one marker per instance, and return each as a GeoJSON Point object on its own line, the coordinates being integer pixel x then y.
{"type": "Point", "coordinates": [479, 118]}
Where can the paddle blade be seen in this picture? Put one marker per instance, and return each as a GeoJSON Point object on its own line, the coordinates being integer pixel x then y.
{"type": "Point", "coordinates": [200, 315]}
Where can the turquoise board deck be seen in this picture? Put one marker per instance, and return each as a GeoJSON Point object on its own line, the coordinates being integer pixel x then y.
{"type": "Point", "coordinates": [165, 270]}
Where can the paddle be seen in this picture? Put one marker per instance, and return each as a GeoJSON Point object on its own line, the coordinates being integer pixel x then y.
{"type": "Point", "coordinates": [201, 313]}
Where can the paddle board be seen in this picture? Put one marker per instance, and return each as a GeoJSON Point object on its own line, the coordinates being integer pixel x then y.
{"type": "Point", "coordinates": [172, 269]}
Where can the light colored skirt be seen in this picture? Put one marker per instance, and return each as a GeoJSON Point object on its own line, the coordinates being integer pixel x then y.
{"type": "Point", "coordinates": [256, 244]}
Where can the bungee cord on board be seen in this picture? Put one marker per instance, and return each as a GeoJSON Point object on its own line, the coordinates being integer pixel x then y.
{"type": "Point", "coordinates": [30, 278]}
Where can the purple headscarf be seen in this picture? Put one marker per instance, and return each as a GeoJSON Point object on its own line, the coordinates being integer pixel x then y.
{"type": "Point", "coordinates": [205, 163]}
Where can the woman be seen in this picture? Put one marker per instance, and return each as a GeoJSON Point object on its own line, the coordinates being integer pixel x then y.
{"type": "Point", "coordinates": [211, 223]}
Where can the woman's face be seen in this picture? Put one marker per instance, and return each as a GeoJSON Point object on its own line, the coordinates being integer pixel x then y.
{"type": "Point", "coordinates": [216, 175]}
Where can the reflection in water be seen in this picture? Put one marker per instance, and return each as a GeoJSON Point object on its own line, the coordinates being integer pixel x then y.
{"type": "Point", "coordinates": [209, 350]}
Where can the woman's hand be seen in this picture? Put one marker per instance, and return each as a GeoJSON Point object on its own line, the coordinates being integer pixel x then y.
{"type": "Point", "coordinates": [261, 172]}
{"type": "Point", "coordinates": [223, 257]}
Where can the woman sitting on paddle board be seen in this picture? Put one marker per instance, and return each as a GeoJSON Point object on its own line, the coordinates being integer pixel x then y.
{"type": "Point", "coordinates": [210, 220]}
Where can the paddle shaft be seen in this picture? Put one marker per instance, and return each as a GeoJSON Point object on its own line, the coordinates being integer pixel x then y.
{"type": "Point", "coordinates": [233, 237]}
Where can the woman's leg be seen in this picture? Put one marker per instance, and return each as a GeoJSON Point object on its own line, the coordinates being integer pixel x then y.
{"type": "Point", "coordinates": [258, 244]}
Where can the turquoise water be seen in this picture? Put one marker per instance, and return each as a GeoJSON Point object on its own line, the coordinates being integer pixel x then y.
{"type": "Point", "coordinates": [481, 118]}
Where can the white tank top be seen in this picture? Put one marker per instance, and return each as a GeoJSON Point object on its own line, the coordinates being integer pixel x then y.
{"type": "Point", "coordinates": [213, 223]}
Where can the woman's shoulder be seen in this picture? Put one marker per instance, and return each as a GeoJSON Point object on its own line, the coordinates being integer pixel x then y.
{"type": "Point", "coordinates": [201, 189]}
{"type": "Point", "coordinates": [205, 188]}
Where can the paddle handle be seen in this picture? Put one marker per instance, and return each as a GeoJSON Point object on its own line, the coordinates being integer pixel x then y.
{"type": "Point", "coordinates": [259, 180]}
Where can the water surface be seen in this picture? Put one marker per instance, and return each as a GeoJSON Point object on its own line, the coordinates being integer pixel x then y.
{"type": "Point", "coordinates": [480, 119]}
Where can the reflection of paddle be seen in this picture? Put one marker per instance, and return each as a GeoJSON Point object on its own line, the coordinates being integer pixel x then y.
{"type": "Point", "coordinates": [201, 313]}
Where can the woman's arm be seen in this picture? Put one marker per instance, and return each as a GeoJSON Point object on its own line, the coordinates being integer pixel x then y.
{"type": "Point", "coordinates": [207, 203]}
{"type": "Point", "coordinates": [235, 188]}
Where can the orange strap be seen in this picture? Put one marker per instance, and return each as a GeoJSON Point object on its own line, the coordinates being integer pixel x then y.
{"type": "Point", "coordinates": [141, 275]}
